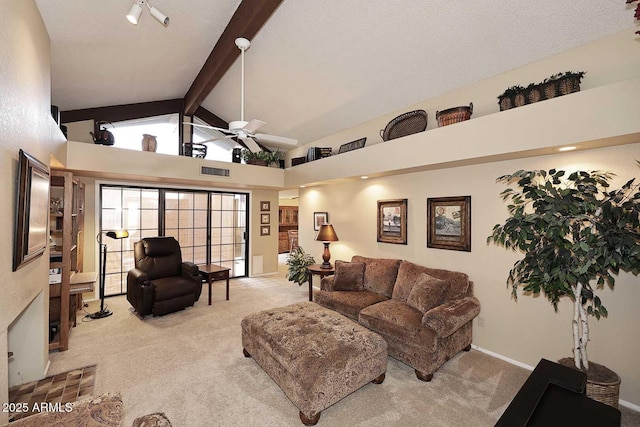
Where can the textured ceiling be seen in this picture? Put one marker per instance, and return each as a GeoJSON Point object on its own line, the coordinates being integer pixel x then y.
{"type": "Point", "coordinates": [316, 67]}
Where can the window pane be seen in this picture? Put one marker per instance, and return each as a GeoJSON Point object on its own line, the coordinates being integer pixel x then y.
{"type": "Point", "coordinates": [201, 201]}
{"type": "Point", "coordinates": [111, 198]}
{"type": "Point", "coordinates": [200, 237]}
{"type": "Point", "coordinates": [171, 219]}
{"type": "Point", "coordinates": [150, 199]}
{"type": "Point", "coordinates": [200, 219]}
{"type": "Point", "coordinates": [149, 219]}
{"type": "Point", "coordinates": [186, 219]}
{"type": "Point", "coordinates": [186, 201]}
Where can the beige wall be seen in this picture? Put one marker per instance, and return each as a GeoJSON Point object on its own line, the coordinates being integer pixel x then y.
{"type": "Point", "coordinates": [25, 123]}
{"type": "Point", "coordinates": [526, 330]}
{"type": "Point", "coordinates": [263, 251]}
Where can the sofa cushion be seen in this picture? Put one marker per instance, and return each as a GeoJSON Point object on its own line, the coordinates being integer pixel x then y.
{"type": "Point", "coordinates": [173, 287]}
{"type": "Point", "coordinates": [380, 274]}
{"type": "Point", "coordinates": [400, 320]}
{"type": "Point", "coordinates": [427, 293]}
{"type": "Point", "coordinates": [349, 276]}
{"type": "Point", "coordinates": [348, 303]}
{"type": "Point", "coordinates": [409, 272]}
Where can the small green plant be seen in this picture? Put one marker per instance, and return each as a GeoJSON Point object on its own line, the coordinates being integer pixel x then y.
{"type": "Point", "coordinates": [265, 156]}
{"type": "Point", "coordinates": [576, 235]}
{"type": "Point", "coordinates": [298, 261]}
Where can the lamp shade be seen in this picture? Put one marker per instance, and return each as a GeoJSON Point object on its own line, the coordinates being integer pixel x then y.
{"type": "Point", "coordinates": [118, 234]}
{"type": "Point", "coordinates": [327, 234]}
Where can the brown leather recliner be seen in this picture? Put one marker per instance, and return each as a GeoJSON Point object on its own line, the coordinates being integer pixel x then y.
{"type": "Point", "coordinates": [162, 283]}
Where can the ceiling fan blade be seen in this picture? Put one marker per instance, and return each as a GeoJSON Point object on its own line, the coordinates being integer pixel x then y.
{"type": "Point", "coordinates": [216, 139]}
{"type": "Point", "coordinates": [251, 144]}
{"type": "Point", "coordinates": [210, 127]}
{"type": "Point", "coordinates": [275, 140]}
{"type": "Point", "coordinates": [253, 126]}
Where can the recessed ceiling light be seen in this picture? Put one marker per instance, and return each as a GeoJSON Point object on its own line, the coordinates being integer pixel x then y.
{"type": "Point", "coordinates": [568, 148]}
{"type": "Point", "coordinates": [302, 186]}
{"type": "Point", "coordinates": [364, 177]}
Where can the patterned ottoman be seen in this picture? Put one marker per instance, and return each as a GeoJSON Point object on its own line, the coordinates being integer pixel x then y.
{"type": "Point", "coordinates": [315, 355]}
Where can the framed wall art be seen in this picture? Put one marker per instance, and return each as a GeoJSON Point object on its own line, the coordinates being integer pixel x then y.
{"type": "Point", "coordinates": [320, 218]}
{"type": "Point", "coordinates": [265, 206]}
{"type": "Point", "coordinates": [32, 210]}
{"type": "Point", "coordinates": [265, 230]}
{"type": "Point", "coordinates": [392, 221]}
{"type": "Point", "coordinates": [449, 223]}
{"type": "Point", "coordinates": [265, 218]}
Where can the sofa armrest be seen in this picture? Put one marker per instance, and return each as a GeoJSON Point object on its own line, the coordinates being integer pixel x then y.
{"type": "Point", "coordinates": [191, 271]}
{"type": "Point", "coordinates": [137, 276]}
{"type": "Point", "coordinates": [140, 291]}
{"type": "Point", "coordinates": [451, 316]}
{"type": "Point", "coordinates": [326, 284]}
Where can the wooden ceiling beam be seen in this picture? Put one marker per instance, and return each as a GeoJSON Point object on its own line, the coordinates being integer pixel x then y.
{"type": "Point", "coordinates": [118, 113]}
{"type": "Point", "coordinates": [209, 118]}
{"type": "Point", "coordinates": [245, 22]}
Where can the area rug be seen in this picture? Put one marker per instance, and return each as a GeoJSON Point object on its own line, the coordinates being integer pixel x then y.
{"type": "Point", "coordinates": [39, 396]}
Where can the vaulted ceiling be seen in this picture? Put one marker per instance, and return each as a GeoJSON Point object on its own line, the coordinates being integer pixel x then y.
{"type": "Point", "coordinates": [315, 67]}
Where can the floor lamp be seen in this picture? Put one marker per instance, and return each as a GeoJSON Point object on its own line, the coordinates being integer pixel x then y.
{"type": "Point", "coordinates": [120, 234]}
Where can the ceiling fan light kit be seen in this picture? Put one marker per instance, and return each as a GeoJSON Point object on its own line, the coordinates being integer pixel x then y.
{"type": "Point", "coordinates": [136, 11]}
{"type": "Point", "coordinates": [241, 129]}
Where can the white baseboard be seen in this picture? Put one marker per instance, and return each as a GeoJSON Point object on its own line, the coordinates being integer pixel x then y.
{"type": "Point", "coordinates": [501, 357]}
{"type": "Point", "coordinates": [621, 402]}
{"type": "Point", "coordinates": [46, 368]}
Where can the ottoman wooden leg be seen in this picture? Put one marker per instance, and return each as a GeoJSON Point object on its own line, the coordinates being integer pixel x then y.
{"type": "Point", "coordinates": [424, 377]}
{"type": "Point", "coordinates": [309, 421]}
{"type": "Point", "coordinates": [246, 353]}
{"type": "Point", "coordinates": [379, 379]}
{"type": "Point", "coordinates": [467, 348]}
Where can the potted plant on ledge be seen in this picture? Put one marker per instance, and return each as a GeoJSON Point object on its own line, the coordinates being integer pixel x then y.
{"type": "Point", "coordinates": [576, 235]}
{"type": "Point", "coordinates": [260, 158]}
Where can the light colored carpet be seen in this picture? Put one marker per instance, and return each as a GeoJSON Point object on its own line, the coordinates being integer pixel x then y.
{"type": "Point", "coordinates": [190, 366]}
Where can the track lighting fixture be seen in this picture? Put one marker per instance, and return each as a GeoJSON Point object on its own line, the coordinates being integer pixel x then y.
{"type": "Point", "coordinates": [136, 10]}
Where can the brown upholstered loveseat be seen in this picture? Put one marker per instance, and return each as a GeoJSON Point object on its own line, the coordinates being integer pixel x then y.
{"type": "Point", "coordinates": [423, 313]}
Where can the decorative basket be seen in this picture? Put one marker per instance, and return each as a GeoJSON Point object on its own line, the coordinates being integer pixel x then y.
{"type": "Point", "coordinates": [607, 392]}
{"type": "Point", "coordinates": [405, 124]}
{"type": "Point", "coordinates": [454, 115]}
{"type": "Point", "coordinates": [603, 384]}
{"type": "Point", "coordinates": [556, 85]}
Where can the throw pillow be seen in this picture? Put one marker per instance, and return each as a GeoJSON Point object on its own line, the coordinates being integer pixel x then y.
{"type": "Point", "coordinates": [349, 276]}
{"type": "Point", "coordinates": [428, 292]}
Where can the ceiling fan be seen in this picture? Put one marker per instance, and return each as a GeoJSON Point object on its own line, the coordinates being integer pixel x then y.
{"type": "Point", "coordinates": [243, 130]}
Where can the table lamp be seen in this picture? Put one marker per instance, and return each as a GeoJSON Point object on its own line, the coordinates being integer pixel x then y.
{"type": "Point", "coordinates": [326, 235]}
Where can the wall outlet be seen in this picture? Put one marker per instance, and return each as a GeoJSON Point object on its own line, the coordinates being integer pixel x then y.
{"type": "Point", "coordinates": [480, 321]}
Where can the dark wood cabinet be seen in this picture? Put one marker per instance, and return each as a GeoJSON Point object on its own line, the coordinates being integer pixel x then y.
{"type": "Point", "coordinates": [287, 220]}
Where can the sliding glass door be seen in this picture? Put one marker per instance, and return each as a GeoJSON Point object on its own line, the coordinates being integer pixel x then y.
{"type": "Point", "coordinates": [210, 226]}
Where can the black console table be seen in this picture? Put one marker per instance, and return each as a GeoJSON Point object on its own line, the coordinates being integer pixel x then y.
{"type": "Point", "coordinates": [554, 395]}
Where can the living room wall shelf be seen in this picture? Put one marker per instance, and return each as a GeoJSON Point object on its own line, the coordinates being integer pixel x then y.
{"type": "Point", "coordinates": [599, 117]}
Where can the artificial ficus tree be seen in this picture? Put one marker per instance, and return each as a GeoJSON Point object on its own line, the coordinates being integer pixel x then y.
{"type": "Point", "coordinates": [576, 235]}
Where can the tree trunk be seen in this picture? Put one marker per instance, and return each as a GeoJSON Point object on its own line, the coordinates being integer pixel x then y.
{"type": "Point", "coordinates": [580, 331]}
{"type": "Point", "coordinates": [576, 326]}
